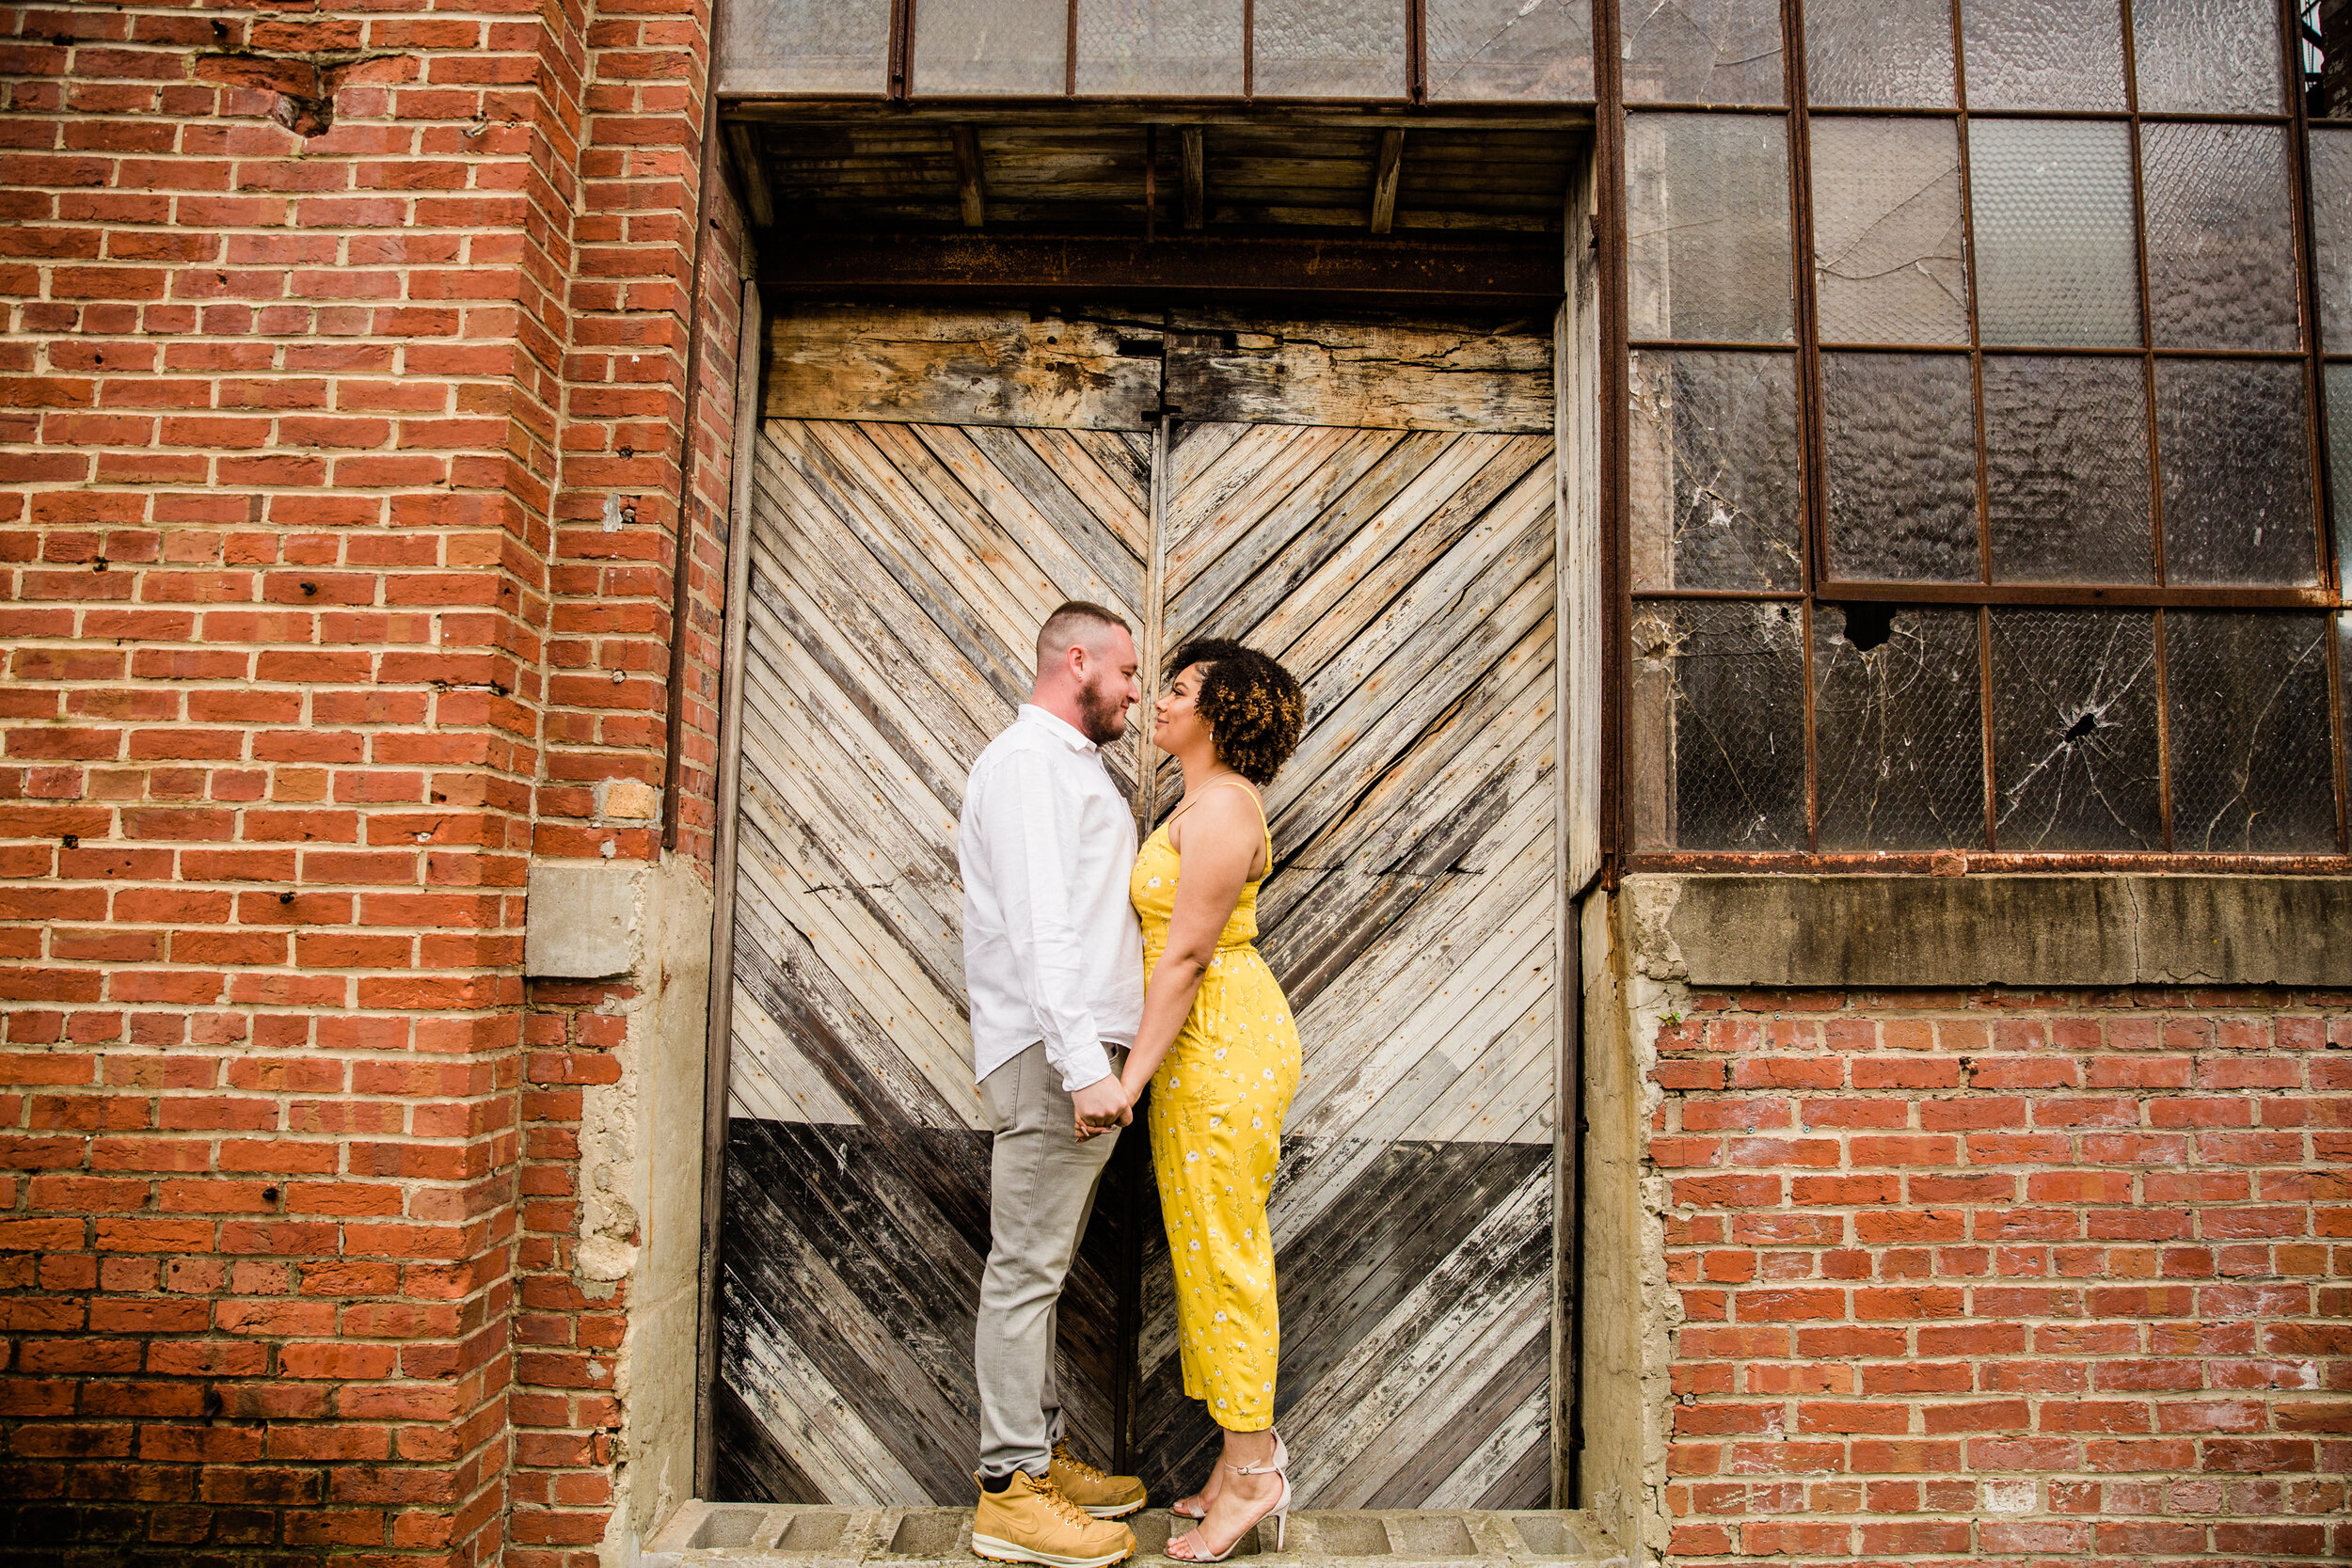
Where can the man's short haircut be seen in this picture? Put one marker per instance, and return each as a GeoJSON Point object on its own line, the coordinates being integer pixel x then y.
{"type": "Point", "coordinates": [1064, 628]}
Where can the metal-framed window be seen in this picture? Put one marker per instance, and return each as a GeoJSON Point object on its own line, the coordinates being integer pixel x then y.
{"type": "Point", "coordinates": [2039, 295]}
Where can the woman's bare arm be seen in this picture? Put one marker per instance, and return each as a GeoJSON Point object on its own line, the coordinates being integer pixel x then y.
{"type": "Point", "coordinates": [1222, 838]}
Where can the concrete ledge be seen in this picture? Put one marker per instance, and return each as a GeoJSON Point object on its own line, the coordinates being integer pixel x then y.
{"type": "Point", "coordinates": [765, 1535]}
{"type": "Point", "coordinates": [2017, 930]}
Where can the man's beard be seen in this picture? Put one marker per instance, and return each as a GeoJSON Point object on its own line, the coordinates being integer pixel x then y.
{"type": "Point", "coordinates": [1102, 718]}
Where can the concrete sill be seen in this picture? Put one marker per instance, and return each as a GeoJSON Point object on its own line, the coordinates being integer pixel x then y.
{"type": "Point", "coordinates": [763, 1535]}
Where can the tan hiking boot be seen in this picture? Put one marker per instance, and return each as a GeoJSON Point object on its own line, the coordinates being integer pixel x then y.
{"type": "Point", "coordinates": [1029, 1521]}
{"type": "Point", "coordinates": [1105, 1496]}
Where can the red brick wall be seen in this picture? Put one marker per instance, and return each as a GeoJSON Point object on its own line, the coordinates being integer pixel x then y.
{"type": "Point", "coordinates": [319, 333]}
{"type": "Point", "coordinates": [2009, 1277]}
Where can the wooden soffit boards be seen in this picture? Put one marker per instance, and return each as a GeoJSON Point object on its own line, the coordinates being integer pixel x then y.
{"type": "Point", "coordinates": [1114, 370]}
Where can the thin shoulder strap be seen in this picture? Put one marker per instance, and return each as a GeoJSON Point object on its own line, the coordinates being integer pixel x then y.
{"type": "Point", "coordinates": [1263, 826]}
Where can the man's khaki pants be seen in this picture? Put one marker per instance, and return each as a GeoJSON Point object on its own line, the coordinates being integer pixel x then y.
{"type": "Point", "coordinates": [1041, 1184]}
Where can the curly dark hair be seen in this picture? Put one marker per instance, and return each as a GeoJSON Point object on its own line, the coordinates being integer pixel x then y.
{"type": "Point", "coordinates": [1254, 707]}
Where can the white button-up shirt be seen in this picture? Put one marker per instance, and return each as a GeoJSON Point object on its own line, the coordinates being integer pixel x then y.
{"type": "Point", "coordinates": [1051, 948]}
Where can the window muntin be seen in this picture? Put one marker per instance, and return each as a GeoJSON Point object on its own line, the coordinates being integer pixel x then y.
{"type": "Point", "coordinates": [2059, 511]}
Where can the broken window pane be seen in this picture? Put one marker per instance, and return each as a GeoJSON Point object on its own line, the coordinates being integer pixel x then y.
{"type": "Point", "coordinates": [836, 46]}
{"type": "Point", "coordinates": [2331, 231]}
{"type": "Point", "coordinates": [2074, 743]}
{"type": "Point", "coordinates": [2232, 440]}
{"type": "Point", "coordinates": [2066, 469]}
{"type": "Point", "coordinates": [1897, 717]}
{"type": "Point", "coordinates": [1707, 227]}
{"type": "Point", "coordinates": [1703, 51]}
{"type": "Point", "coordinates": [1715, 727]}
{"type": "Point", "coordinates": [2056, 263]}
{"type": "Point", "coordinates": [2326, 58]}
{"type": "Point", "coordinates": [1879, 53]}
{"type": "Point", "coordinates": [2043, 54]}
{"type": "Point", "coordinates": [1509, 49]}
{"type": "Point", "coordinates": [2206, 56]}
{"type": "Point", "coordinates": [2254, 767]}
{"type": "Point", "coordinates": [2220, 236]}
{"type": "Point", "coordinates": [1900, 433]}
{"type": "Point", "coordinates": [991, 46]}
{"type": "Point", "coordinates": [1328, 49]}
{"type": "Point", "coordinates": [1886, 231]}
{"type": "Point", "coordinates": [1129, 48]}
{"type": "Point", "coordinates": [1710, 486]}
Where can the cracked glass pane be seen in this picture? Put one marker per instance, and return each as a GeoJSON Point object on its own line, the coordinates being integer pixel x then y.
{"type": "Point", "coordinates": [1703, 51]}
{"type": "Point", "coordinates": [1707, 228]}
{"type": "Point", "coordinates": [2056, 261]}
{"type": "Point", "coordinates": [2206, 56]}
{"type": "Point", "coordinates": [991, 46]}
{"type": "Point", "coordinates": [1879, 53]}
{"type": "Point", "coordinates": [805, 46]}
{"type": "Point", "coordinates": [1328, 49]}
{"type": "Point", "coordinates": [1715, 728]}
{"type": "Point", "coordinates": [2339, 394]}
{"type": "Point", "coordinates": [2254, 767]}
{"type": "Point", "coordinates": [1900, 433]}
{"type": "Point", "coordinates": [1886, 231]}
{"type": "Point", "coordinates": [2074, 742]}
{"type": "Point", "coordinates": [1128, 48]}
{"type": "Point", "coordinates": [1712, 487]}
{"type": "Point", "coordinates": [1899, 732]}
{"type": "Point", "coordinates": [1512, 50]}
{"type": "Point", "coordinates": [2043, 54]}
{"type": "Point", "coordinates": [2233, 444]}
{"type": "Point", "coordinates": [2220, 236]}
{"type": "Point", "coordinates": [2066, 469]}
{"type": "Point", "coordinates": [2331, 233]}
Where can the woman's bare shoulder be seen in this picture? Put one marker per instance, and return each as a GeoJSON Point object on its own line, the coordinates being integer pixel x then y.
{"type": "Point", "coordinates": [1225, 812]}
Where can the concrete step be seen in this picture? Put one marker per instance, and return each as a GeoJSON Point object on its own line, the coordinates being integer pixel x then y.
{"type": "Point", "coordinates": [762, 1535]}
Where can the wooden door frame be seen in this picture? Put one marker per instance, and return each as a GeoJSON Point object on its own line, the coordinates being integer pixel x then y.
{"type": "Point", "coordinates": [1578, 666]}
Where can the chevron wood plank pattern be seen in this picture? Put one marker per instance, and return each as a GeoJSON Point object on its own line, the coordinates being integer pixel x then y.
{"type": "Point", "coordinates": [1406, 578]}
{"type": "Point", "coordinates": [898, 576]}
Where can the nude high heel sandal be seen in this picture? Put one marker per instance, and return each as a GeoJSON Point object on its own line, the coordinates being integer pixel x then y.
{"type": "Point", "coordinates": [1279, 1512]}
{"type": "Point", "coordinates": [1281, 1461]}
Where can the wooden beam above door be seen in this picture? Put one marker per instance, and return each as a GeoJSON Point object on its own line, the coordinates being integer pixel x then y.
{"type": "Point", "coordinates": [1194, 266]}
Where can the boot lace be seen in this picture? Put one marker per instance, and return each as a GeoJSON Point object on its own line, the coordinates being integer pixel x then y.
{"type": "Point", "coordinates": [1071, 1463]}
{"type": "Point", "coordinates": [1070, 1512]}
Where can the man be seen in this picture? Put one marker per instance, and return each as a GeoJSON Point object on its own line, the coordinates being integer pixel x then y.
{"type": "Point", "coordinates": [1054, 962]}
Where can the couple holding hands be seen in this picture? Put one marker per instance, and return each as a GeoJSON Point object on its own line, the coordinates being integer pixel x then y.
{"type": "Point", "coordinates": [1094, 971]}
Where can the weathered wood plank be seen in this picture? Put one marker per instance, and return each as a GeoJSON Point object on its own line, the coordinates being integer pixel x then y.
{"type": "Point", "coordinates": [886, 363]}
{"type": "Point", "coordinates": [1385, 174]}
{"type": "Point", "coordinates": [1374, 376]}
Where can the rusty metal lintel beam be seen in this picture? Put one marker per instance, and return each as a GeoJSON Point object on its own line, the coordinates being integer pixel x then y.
{"type": "Point", "coordinates": [1228, 268]}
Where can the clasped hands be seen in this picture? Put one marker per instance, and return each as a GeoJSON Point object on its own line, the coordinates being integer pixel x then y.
{"type": "Point", "coordinates": [1102, 1106]}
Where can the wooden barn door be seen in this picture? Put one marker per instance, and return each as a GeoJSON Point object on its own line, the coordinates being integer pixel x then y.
{"type": "Point", "coordinates": [1376, 510]}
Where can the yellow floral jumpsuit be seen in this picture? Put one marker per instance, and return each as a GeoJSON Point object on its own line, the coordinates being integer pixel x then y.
{"type": "Point", "coordinates": [1217, 1103]}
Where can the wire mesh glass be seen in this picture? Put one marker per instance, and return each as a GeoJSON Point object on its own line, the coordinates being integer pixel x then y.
{"type": "Point", "coordinates": [1703, 51]}
{"type": "Point", "coordinates": [2075, 761]}
{"type": "Point", "coordinates": [2066, 469]}
{"type": "Point", "coordinates": [1328, 49]}
{"type": "Point", "coordinates": [991, 47]}
{"type": "Point", "coordinates": [2253, 765]}
{"type": "Point", "coordinates": [1509, 49]}
{"type": "Point", "coordinates": [2057, 256]}
{"type": "Point", "coordinates": [1898, 727]}
{"type": "Point", "coordinates": [1879, 53]}
{"type": "Point", "coordinates": [2043, 54]}
{"type": "Point", "coordinates": [2220, 236]}
{"type": "Point", "coordinates": [1715, 725]}
{"type": "Point", "coordinates": [805, 46]}
{"type": "Point", "coordinates": [2231, 438]}
{"type": "Point", "coordinates": [2338, 390]}
{"type": "Point", "coordinates": [1707, 228]}
{"type": "Point", "coordinates": [1159, 48]}
{"type": "Point", "coordinates": [1900, 434]}
{"type": "Point", "coordinates": [2331, 235]}
{"type": "Point", "coordinates": [1710, 492]}
{"type": "Point", "coordinates": [2207, 56]}
{"type": "Point", "coordinates": [1888, 262]}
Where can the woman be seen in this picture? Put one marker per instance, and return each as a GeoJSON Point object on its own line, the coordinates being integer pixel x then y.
{"type": "Point", "coordinates": [1218, 1048]}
